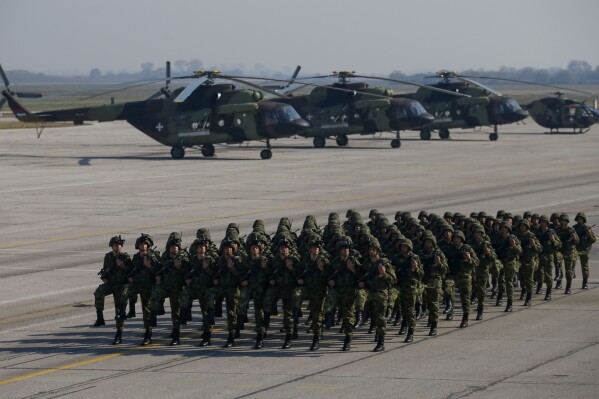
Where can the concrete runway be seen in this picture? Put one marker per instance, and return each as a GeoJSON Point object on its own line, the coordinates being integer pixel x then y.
{"type": "Point", "coordinates": [63, 196]}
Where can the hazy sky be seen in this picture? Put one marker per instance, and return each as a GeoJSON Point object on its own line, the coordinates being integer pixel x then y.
{"type": "Point", "coordinates": [369, 36]}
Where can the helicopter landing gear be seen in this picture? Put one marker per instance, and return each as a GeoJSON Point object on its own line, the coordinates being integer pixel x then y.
{"type": "Point", "coordinates": [396, 143]}
{"type": "Point", "coordinates": [266, 153]}
{"type": "Point", "coordinates": [494, 136]}
{"type": "Point", "coordinates": [319, 141]}
{"type": "Point", "coordinates": [444, 134]}
{"type": "Point", "coordinates": [425, 134]}
{"type": "Point", "coordinates": [341, 140]}
{"type": "Point", "coordinates": [208, 150]}
{"type": "Point", "coordinates": [177, 152]}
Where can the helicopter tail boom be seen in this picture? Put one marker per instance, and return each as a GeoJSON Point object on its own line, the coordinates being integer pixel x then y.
{"type": "Point", "coordinates": [21, 113]}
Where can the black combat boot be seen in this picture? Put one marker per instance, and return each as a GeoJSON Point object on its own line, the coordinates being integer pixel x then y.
{"type": "Point", "coordinates": [218, 308]}
{"type": "Point", "coordinates": [433, 330]}
{"type": "Point", "coordinates": [287, 343]}
{"type": "Point", "coordinates": [522, 293]}
{"type": "Point", "coordinates": [449, 315]}
{"type": "Point", "coordinates": [388, 313]}
{"type": "Point", "coordinates": [315, 342]}
{"type": "Point", "coordinates": [359, 320]}
{"type": "Point", "coordinates": [371, 328]}
{"type": "Point", "coordinates": [153, 319]}
{"type": "Point", "coordinates": [328, 320]}
{"type": "Point", "coordinates": [558, 283]}
{"type": "Point", "coordinates": [346, 343]}
{"type": "Point", "coordinates": [397, 320]}
{"type": "Point", "coordinates": [418, 311]}
{"type": "Point", "coordinates": [464, 322]}
{"type": "Point", "coordinates": [479, 311]}
{"type": "Point", "coordinates": [528, 300]}
{"type": "Point", "coordinates": [402, 328]}
{"type": "Point", "coordinates": [118, 337]}
{"type": "Point", "coordinates": [548, 293]}
{"type": "Point", "coordinates": [259, 341]}
{"type": "Point", "coordinates": [147, 337]}
{"type": "Point", "coordinates": [508, 308]}
{"type": "Point", "coordinates": [309, 321]}
{"type": "Point", "coordinates": [410, 336]}
{"type": "Point", "coordinates": [160, 311]}
{"type": "Point", "coordinates": [131, 313]}
{"type": "Point", "coordinates": [175, 341]}
{"type": "Point", "coordinates": [206, 335]}
{"type": "Point", "coordinates": [99, 319]}
{"type": "Point", "coordinates": [183, 317]}
{"type": "Point", "coordinates": [238, 326]}
{"type": "Point", "coordinates": [380, 344]}
{"type": "Point", "coordinates": [568, 287]}
{"type": "Point", "coordinates": [585, 284]}
{"type": "Point", "coordinates": [230, 341]}
{"type": "Point", "coordinates": [539, 288]}
{"type": "Point", "coordinates": [447, 305]}
{"type": "Point", "coordinates": [499, 301]}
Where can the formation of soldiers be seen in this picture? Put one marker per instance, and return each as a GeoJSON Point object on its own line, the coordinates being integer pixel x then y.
{"type": "Point", "coordinates": [350, 272]}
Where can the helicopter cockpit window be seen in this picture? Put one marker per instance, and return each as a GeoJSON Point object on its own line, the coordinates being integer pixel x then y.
{"type": "Point", "coordinates": [416, 109]}
{"type": "Point", "coordinates": [270, 118]}
{"type": "Point", "coordinates": [287, 114]}
{"type": "Point", "coordinates": [510, 106]}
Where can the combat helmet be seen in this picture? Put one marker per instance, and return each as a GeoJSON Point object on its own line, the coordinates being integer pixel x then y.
{"type": "Point", "coordinates": [116, 240]}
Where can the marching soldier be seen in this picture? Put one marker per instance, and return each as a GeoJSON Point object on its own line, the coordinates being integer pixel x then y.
{"type": "Point", "coordinates": [115, 269]}
{"type": "Point", "coordinates": [508, 251]}
{"type": "Point", "coordinates": [587, 239]}
{"type": "Point", "coordinates": [570, 241]}
{"type": "Point", "coordinates": [170, 280]}
{"type": "Point", "coordinates": [462, 261]}
{"type": "Point", "coordinates": [529, 259]}
{"type": "Point", "coordinates": [226, 282]}
{"type": "Point", "coordinates": [378, 275]}
{"type": "Point", "coordinates": [550, 243]}
{"type": "Point", "coordinates": [408, 274]}
{"type": "Point", "coordinates": [142, 279]}
{"type": "Point", "coordinates": [434, 266]}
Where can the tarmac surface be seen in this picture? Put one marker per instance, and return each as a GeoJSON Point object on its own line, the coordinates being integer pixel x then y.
{"type": "Point", "coordinates": [63, 196]}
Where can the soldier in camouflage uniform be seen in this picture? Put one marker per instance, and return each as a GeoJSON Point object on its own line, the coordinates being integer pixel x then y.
{"type": "Point", "coordinates": [408, 274]}
{"type": "Point", "coordinates": [570, 240]}
{"type": "Point", "coordinates": [170, 279]}
{"type": "Point", "coordinates": [558, 260]}
{"type": "Point", "coordinates": [283, 281]}
{"type": "Point", "coordinates": [462, 261]}
{"type": "Point", "coordinates": [587, 239]}
{"type": "Point", "coordinates": [254, 282]}
{"type": "Point", "coordinates": [115, 269]}
{"type": "Point", "coordinates": [378, 275]}
{"type": "Point", "coordinates": [142, 279]}
{"type": "Point", "coordinates": [314, 278]}
{"type": "Point", "coordinates": [200, 283]}
{"type": "Point", "coordinates": [551, 244]}
{"type": "Point", "coordinates": [344, 281]}
{"type": "Point", "coordinates": [226, 282]}
{"type": "Point", "coordinates": [508, 250]}
{"type": "Point", "coordinates": [434, 266]}
{"type": "Point", "coordinates": [487, 263]}
{"type": "Point", "coordinates": [529, 260]}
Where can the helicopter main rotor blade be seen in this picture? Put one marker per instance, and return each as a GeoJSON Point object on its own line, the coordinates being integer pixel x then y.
{"type": "Point", "coordinates": [482, 86]}
{"type": "Point", "coordinates": [4, 78]}
{"type": "Point", "coordinates": [254, 85]}
{"type": "Point", "coordinates": [190, 89]}
{"type": "Point", "coordinates": [130, 86]}
{"type": "Point", "coordinates": [530, 83]}
{"type": "Point", "coordinates": [453, 93]}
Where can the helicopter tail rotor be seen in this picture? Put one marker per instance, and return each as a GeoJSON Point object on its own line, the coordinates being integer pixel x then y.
{"type": "Point", "coordinates": [13, 93]}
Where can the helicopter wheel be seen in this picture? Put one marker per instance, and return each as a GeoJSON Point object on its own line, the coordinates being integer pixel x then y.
{"type": "Point", "coordinates": [208, 150]}
{"type": "Point", "coordinates": [425, 135]}
{"type": "Point", "coordinates": [341, 140]}
{"type": "Point", "coordinates": [444, 134]}
{"type": "Point", "coordinates": [319, 141]}
{"type": "Point", "coordinates": [493, 136]}
{"type": "Point", "coordinates": [266, 154]}
{"type": "Point", "coordinates": [177, 152]}
{"type": "Point", "coordinates": [395, 143]}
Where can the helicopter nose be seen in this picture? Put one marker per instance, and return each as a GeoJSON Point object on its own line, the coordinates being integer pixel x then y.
{"type": "Point", "coordinates": [300, 125]}
{"type": "Point", "coordinates": [293, 127]}
{"type": "Point", "coordinates": [520, 115]}
{"type": "Point", "coordinates": [426, 118]}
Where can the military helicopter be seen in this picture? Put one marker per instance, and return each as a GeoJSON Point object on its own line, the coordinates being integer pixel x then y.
{"type": "Point", "coordinates": [345, 108]}
{"type": "Point", "coordinates": [483, 107]}
{"type": "Point", "coordinates": [201, 114]}
{"type": "Point", "coordinates": [557, 112]}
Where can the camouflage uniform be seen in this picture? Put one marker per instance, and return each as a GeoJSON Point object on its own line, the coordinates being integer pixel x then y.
{"type": "Point", "coordinates": [142, 279]}
{"type": "Point", "coordinates": [226, 282]}
{"type": "Point", "coordinates": [587, 239]}
{"type": "Point", "coordinates": [570, 240]}
{"type": "Point", "coordinates": [378, 275]}
{"type": "Point", "coordinates": [551, 244]}
{"type": "Point", "coordinates": [170, 282]}
{"type": "Point", "coordinates": [508, 250]}
{"type": "Point", "coordinates": [487, 263]}
{"type": "Point", "coordinates": [254, 282]}
{"type": "Point", "coordinates": [462, 260]}
{"type": "Point", "coordinates": [345, 283]}
{"type": "Point", "coordinates": [408, 274]}
{"type": "Point", "coordinates": [434, 266]}
{"type": "Point", "coordinates": [531, 248]}
{"type": "Point", "coordinates": [115, 283]}
{"type": "Point", "coordinates": [199, 285]}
